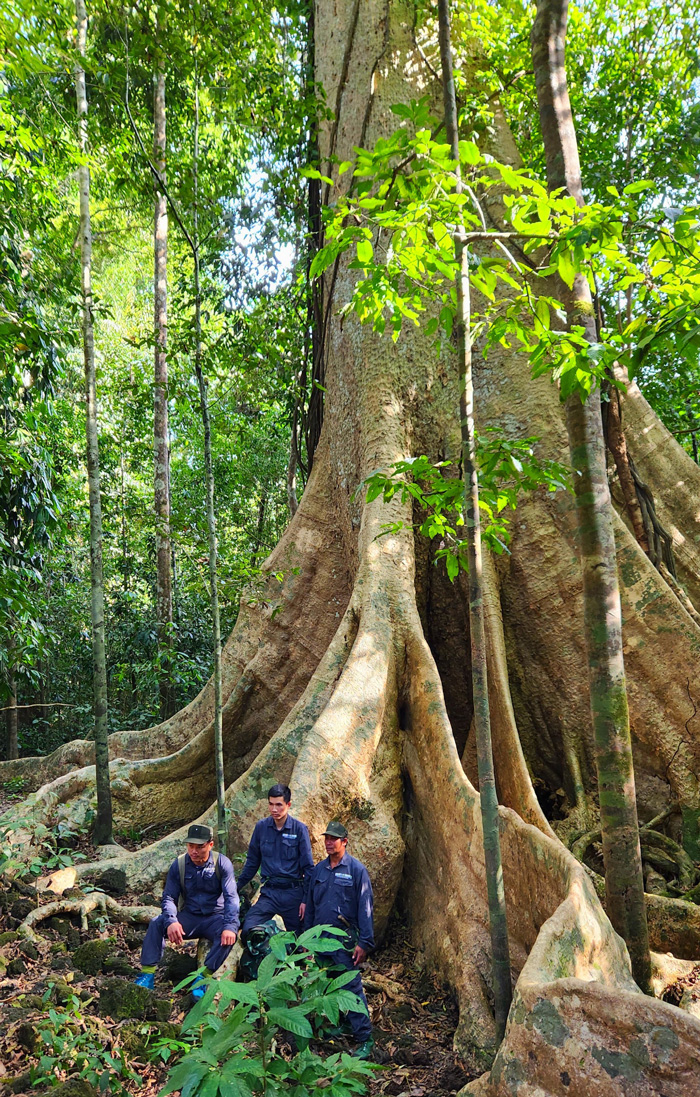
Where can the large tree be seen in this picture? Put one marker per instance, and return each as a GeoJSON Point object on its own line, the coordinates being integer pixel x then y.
{"type": "Point", "coordinates": [349, 680]}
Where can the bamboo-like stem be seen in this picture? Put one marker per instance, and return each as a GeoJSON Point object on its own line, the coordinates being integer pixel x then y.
{"type": "Point", "coordinates": [624, 881]}
{"type": "Point", "coordinates": [103, 823]}
{"type": "Point", "coordinates": [500, 952]}
{"type": "Point", "coordinates": [161, 447]}
{"type": "Point", "coordinates": [222, 832]}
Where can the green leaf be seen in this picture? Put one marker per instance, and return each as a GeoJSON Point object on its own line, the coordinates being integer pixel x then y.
{"type": "Point", "coordinates": [342, 168]}
{"type": "Point", "coordinates": [365, 252]}
{"type": "Point", "coordinates": [566, 268]}
{"type": "Point", "coordinates": [469, 152]}
{"type": "Point", "coordinates": [292, 1020]}
{"type": "Point", "coordinates": [452, 566]}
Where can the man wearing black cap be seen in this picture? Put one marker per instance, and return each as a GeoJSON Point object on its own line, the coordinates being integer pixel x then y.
{"type": "Point", "coordinates": [199, 900]}
{"type": "Point", "coordinates": [340, 894]}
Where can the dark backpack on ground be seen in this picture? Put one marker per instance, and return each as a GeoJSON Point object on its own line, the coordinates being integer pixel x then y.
{"type": "Point", "coordinates": [257, 947]}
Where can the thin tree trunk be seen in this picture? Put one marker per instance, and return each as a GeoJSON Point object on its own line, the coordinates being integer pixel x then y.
{"type": "Point", "coordinates": [103, 822]}
{"type": "Point", "coordinates": [12, 715]}
{"type": "Point", "coordinates": [222, 833]}
{"type": "Point", "coordinates": [624, 882]}
{"type": "Point", "coordinates": [500, 952]}
{"type": "Point", "coordinates": [262, 507]}
{"type": "Point", "coordinates": [161, 447]}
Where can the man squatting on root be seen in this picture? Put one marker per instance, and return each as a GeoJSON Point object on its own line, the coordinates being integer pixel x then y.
{"type": "Point", "coordinates": [210, 908]}
{"type": "Point", "coordinates": [281, 849]}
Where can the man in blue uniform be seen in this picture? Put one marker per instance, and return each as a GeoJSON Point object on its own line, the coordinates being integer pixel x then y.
{"type": "Point", "coordinates": [281, 849]}
{"type": "Point", "coordinates": [202, 885]}
{"type": "Point", "coordinates": [340, 894]}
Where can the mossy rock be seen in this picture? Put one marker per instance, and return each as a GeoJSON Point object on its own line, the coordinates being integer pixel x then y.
{"type": "Point", "coordinates": [177, 965]}
{"type": "Point", "coordinates": [21, 908]}
{"type": "Point", "coordinates": [8, 937]}
{"type": "Point", "coordinates": [16, 967]}
{"type": "Point", "coordinates": [112, 880]}
{"type": "Point", "coordinates": [74, 1087]}
{"type": "Point", "coordinates": [119, 965]}
{"type": "Point", "coordinates": [61, 926]}
{"type": "Point", "coordinates": [138, 1036]}
{"type": "Point", "coordinates": [33, 1001]}
{"type": "Point", "coordinates": [25, 1034]}
{"type": "Point", "coordinates": [134, 937]}
{"type": "Point", "coordinates": [123, 1001]}
{"type": "Point", "coordinates": [58, 946]}
{"type": "Point", "coordinates": [161, 1008]}
{"type": "Point", "coordinates": [90, 957]}
{"type": "Point", "coordinates": [29, 950]}
{"type": "Point", "coordinates": [73, 893]}
{"type": "Point", "coordinates": [61, 993]}
{"type": "Point", "coordinates": [21, 1083]}
{"type": "Point", "coordinates": [60, 962]}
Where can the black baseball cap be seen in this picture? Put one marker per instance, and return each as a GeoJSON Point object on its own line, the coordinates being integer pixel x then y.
{"type": "Point", "coordinates": [336, 830]}
{"type": "Point", "coordinates": [199, 835]}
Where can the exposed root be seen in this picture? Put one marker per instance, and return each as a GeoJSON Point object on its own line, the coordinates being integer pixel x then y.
{"type": "Point", "coordinates": [95, 901]}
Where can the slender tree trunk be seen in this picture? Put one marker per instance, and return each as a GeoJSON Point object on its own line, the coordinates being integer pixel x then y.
{"type": "Point", "coordinates": [161, 447]}
{"type": "Point", "coordinates": [103, 822]}
{"type": "Point", "coordinates": [624, 882]}
{"type": "Point", "coordinates": [11, 715]}
{"type": "Point", "coordinates": [482, 718]}
{"type": "Point", "coordinates": [222, 833]}
{"type": "Point", "coordinates": [262, 507]}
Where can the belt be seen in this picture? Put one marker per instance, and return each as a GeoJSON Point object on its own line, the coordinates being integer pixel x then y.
{"type": "Point", "coordinates": [284, 882]}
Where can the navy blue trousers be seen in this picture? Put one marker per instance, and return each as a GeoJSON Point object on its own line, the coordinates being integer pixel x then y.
{"type": "Point", "coordinates": [282, 901]}
{"type": "Point", "coordinates": [194, 925]}
{"type": "Point", "coordinates": [359, 1022]}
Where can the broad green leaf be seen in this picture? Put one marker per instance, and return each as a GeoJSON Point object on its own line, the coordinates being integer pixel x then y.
{"type": "Point", "coordinates": [292, 1020]}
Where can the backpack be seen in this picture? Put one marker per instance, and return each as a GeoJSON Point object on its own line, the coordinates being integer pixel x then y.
{"type": "Point", "coordinates": [181, 869]}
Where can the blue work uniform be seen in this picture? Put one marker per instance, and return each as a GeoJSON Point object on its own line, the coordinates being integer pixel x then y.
{"type": "Point", "coordinates": [210, 907]}
{"type": "Point", "coordinates": [342, 897]}
{"type": "Point", "coordinates": [285, 860]}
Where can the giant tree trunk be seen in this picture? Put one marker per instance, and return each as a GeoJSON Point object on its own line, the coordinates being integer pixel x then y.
{"type": "Point", "coordinates": [350, 681]}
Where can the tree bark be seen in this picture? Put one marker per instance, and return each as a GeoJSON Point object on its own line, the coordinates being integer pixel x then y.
{"type": "Point", "coordinates": [102, 832]}
{"type": "Point", "coordinates": [11, 716]}
{"type": "Point", "coordinates": [222, 832]}
{"type": "Point", "coordinates": [624, 881]}
{"type": "Point", "coordinates": [161, 441]}
{"type": "Point", "coordinates": [500, 952]}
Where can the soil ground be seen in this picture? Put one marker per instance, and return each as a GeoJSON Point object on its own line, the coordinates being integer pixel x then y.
{"type": "Point", "coordinates": [414, 1017]}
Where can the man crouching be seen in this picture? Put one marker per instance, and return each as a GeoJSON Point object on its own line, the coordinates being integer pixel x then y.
{"type": "Point", "coordinates": [199, 900]}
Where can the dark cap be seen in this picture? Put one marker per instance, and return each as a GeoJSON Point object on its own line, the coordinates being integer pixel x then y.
{"type": "Point", "coordinates": [198, 835]}
{"type": "Point", "coordinates": [336, 830]}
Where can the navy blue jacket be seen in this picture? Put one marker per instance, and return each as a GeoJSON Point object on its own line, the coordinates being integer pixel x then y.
{"type": "Point", "coordinates": [278, 853]}
{"type": "Point", "coordinates": [204, 892]}
{"type": "Point", "coordinates": [344, 890]}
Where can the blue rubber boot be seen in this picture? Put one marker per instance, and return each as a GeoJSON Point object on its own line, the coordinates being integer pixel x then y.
{"type": "Point", "coordinates": [146, 979]}
{"type": "Point", "coordinates": [199, 987]}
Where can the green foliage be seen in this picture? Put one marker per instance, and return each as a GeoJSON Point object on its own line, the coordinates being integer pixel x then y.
{"type": "Point", "coordinates": [402, 213]}
{"type": "Point", "coordinates": [238, 1027]}
{"type": "Point", "coordinates": [506, 468]}
{"type": "Point", "coordinates": [71, 1042]}
{"type": "Point", "coordinates": [47, 854]}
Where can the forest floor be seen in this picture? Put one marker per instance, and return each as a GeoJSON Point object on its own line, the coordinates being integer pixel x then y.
{"type": "Point", "coordinates": [53, 1011]}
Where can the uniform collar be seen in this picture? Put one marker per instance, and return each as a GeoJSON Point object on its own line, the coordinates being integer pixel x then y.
{"type": "Point", "coordinates": [271, 823]}
{"type": "Point", "coordinates": [344, 860]}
